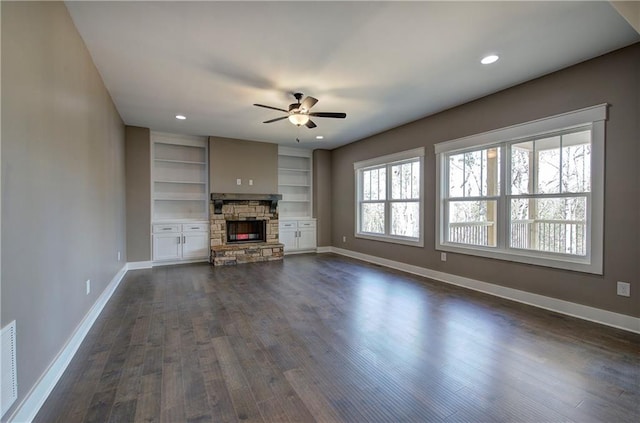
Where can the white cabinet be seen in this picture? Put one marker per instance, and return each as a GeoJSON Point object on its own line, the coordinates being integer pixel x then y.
{"type": "Point", "coordinates": [294, 182]}
{"type": "Point", "coordinates": [298, 235]}
{"type": "Point", "coordinates": [176, 242]}
{"type": "Point", "coordinates": [166, 247]}
{"type": "Point", "coordinates": [195, 241]}
{"type": "Point", "coordinates": [289, 235]}
{"type": "Point", "coordinates": [307, 235]}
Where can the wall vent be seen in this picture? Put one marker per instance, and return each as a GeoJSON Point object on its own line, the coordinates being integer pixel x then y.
{"type": "Point", "coordinates": [8, 367]}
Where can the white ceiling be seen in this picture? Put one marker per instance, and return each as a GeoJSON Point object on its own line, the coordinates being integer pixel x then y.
{"type": "Point", "coordinates": [382, 63]}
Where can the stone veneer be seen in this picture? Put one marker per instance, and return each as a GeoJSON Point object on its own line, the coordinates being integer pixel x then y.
{"type": "Point", "coordinates": [223, 254]}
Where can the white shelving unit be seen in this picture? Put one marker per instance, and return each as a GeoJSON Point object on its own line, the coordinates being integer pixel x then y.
{"type": "Point", "coordinates": [179, 198]}
{"type": "Point", "coordinates": [179, 176]}
{"type": "Point", "coordinates": [294, 182]}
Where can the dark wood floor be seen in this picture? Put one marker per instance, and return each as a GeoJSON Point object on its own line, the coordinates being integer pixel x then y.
{"type": "Point", "coordinates": [325, 338]}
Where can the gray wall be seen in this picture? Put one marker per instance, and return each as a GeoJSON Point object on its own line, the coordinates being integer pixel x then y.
{"type": "Point", "coordinates": [322, 195]}
{"type": "Point", "coordinates": [138, 175]}
{"type": "Point", "coordinates": [63, 183]}
{"type": "Point", "coordinates": [613, 79]}
{"type": "Point", "coordinates": [231, 159]}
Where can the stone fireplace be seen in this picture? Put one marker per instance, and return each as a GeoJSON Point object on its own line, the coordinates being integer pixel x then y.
{"type": "Point", "coordinates": [244, 228]}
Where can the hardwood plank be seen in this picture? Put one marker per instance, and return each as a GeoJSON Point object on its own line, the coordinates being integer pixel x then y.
{"type": "Point", "coordinates": [123, 411]}
{"type": "Point", "coordinates": [312, 397]}
{"type": "Point", "coordinates": [148, 408]}
{"type": "Point", "coordinates": [172, 396]}
{"type": "Point", "coordinates": [235, 380]}
{"type": "Point", "coordinates": [219, 400]}
{"type": "Point", "coordinates": [195, 395]}
{"type": "Point", "coordinates": [100, 406]}
{"type": "Point", "coordinates": [129, 384]}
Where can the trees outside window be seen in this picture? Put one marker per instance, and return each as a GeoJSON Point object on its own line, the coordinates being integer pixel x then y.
{"type": "Point", "coordinates": [389, 198]}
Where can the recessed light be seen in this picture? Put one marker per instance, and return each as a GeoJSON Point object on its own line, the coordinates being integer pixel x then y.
{"type": "Point", "coordinates": [487, 60]}
{"type": "Point", "coordinates": [180, 117]}
{"type": "Point", "coordinates": [319, 137]}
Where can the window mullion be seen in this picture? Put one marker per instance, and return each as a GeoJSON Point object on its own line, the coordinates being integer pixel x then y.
{"type": "Point", "coordinates": [361, 175]}
{"type": "Point", "coordinates": [560, 190]}
{"type": "Point", "coordinates": [504, 208]}
{"type": "Point", "coordinates": [387, 206]}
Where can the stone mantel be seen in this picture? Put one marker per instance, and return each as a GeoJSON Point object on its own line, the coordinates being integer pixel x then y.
{"type": "Point", "coordinates": [219, 199]}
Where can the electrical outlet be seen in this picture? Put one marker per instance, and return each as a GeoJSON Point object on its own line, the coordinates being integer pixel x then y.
{"type": "Point", "coordinates": [624, 289]}
{"type": "Point", "coordinates": [238, 181]}
{"type": "Point", "coordinates": [250, 181]}
{"type": "Point", "coordinates": [344, 238]}
{"type": "Point", "coordinates": [88, 286]}
{"type": "Point", "coordinates": [118, 255]}
{"type": "Point", "coordinates": [443, 256]}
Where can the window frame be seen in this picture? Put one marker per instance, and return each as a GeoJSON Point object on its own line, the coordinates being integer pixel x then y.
{"type": "Point", "coordinates": [593, 117]}
{"type": "Point", "coordinates": [387, 161]}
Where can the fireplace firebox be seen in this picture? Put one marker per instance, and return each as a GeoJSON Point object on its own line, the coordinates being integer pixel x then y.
{"type": "Point", "coordinates": [242, 231]}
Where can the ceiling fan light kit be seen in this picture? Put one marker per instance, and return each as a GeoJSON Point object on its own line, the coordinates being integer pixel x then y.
{"type": "Point", "coordinates": [299, 113]}
{"type": "Point", "coordinates": [298, 119]}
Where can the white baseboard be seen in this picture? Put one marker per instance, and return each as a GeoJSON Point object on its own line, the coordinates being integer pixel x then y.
{"type": "Point", "coordinates": [324, 249]}
{"type": "Point", "coordinates": [608, 318]}
{"type": "Point", "coordinates": [288, 253]}
{"type": "Point", "coordinates": [173, 262]}
{"type": "Point", "coordinates": [135, 265]}
{"type": "Point", "coordinates": [32, 402]}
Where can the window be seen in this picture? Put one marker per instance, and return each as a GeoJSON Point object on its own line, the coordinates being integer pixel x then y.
{"type": "Point", "coordinates": [389, 198]}
{"type": "Point", "coordinates": [530, 193]}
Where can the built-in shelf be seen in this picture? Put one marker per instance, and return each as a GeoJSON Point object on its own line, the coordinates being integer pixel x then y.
{"type": "Point", "coordinates": [179, 161]}
{"type": "Point", "coordinates": [294, 182]}
{"type": "Point", "coordinates": [169, 197]}
{"type": "Point", "coordinates": [286, 169]}
{"type": "Point", "coordinates": [180, 176]}
{"type": "Point", "coordinates": [180, 182]}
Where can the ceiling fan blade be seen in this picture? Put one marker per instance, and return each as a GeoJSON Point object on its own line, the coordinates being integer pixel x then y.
{"type": "Point", "coordinates": [275, 120]}
{"type": "Point", "coordinates": [329, 115]}
{"type": "Point", "coordinates": [310, 124]}
{"type": "Point", "coordinates": [269, 107]}
{"type": "Point", "coordinates": [308, 103]}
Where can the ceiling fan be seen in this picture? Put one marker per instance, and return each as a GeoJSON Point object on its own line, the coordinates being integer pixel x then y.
{"type": "Point", "coordinates": [299, 113]}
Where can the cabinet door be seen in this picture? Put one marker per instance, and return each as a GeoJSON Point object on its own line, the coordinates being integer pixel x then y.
{"type": "Point", "coordinates": [289, 239]}
{"type": "Point", "coordinates": [307, 238]}
{"type": "Point", "coordinates": [195, 245]}
{"type": "Point", "coordinates": [167, 246]}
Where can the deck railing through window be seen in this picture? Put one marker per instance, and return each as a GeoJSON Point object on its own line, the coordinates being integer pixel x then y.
{"type": "Point", "coordinates": [557, 236]}
{"type": "Point", "coordinates": [473, 233]}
